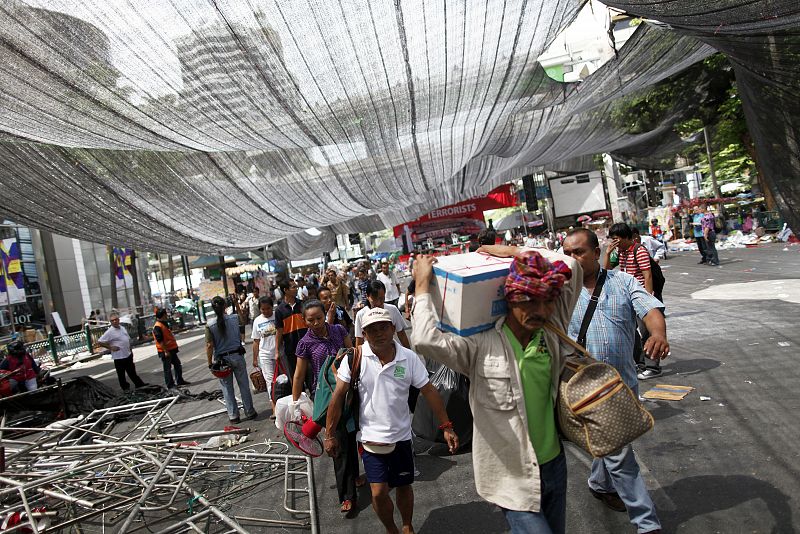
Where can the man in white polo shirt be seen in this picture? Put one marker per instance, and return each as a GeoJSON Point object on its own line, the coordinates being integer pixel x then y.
{"type": "Point", "coordinates": [385, 372]}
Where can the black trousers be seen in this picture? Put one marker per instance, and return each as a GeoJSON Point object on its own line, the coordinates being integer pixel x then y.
{"type": "Point", "coordinates": [170, 360]}
{"type": "Point", "coordinates": [345, 465]}
{"type": "Point", "coordinates": [642, 335]}
{"type": "Point", "coordinates": [701, 246]}
{"type": "Point", "coordinates": [126, 366]}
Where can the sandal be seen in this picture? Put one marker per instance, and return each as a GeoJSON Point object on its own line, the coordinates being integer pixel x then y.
{"type": "Point", "coordinates": [347, 506]}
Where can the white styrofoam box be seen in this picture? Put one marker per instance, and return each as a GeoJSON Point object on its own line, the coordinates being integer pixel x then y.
{"type": "Point", "coordinates": [468, 291]}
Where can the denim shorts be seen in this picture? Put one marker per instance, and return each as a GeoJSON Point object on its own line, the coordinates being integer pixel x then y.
{"type": "Point", "coordinates": [396, 468]}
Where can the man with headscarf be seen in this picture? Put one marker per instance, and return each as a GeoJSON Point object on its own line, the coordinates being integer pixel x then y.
{"type": "Point", "coordinates": [514, 370]}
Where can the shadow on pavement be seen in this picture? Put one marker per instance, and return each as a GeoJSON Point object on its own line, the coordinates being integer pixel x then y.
{"type": "Point", "coordinates": [431, 467]}
{"type": "Point", "coordinates": [664, 410]}
{"type": "Point", "coordinates": [692, 367]}
{"type": "Point", "coordinates": [695, 496]}
{"type": "Point", "coordinates": [479, 516]}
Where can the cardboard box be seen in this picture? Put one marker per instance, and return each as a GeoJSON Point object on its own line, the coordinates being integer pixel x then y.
{"type": "Point", "coordinates": [468, 292]}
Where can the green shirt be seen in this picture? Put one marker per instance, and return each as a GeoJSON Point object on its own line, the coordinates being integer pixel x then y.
{"type": "Point", "coordinates": [534, 369]}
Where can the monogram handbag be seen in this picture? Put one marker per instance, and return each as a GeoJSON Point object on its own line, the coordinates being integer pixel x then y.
{"type": "Point", "coordinates": [596, 410]}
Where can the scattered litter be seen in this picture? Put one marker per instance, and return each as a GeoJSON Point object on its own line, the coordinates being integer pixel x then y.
{"type": "Point", "coordinates": [784, 344]}
{"type": "Point", "coordinates": [753, 344]}
{"type": "Point", "coordinates": [748, 382]}
{"type": "Point", "coordinates": [684, 273]}
{"type": "Point", "coordinates": [704, 398]}
{"type": "Point", "coordinates": [786, 249]}
{"type": "Point", "coordinates": [668, 392]}
{"type": "Point", "coordinates": [709, 279]}
{"type": "Point", "coordinates": [721, 404]}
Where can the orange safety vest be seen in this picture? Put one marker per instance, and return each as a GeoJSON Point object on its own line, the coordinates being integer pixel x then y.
{"type": "Point", "coordinates": [169, 342]}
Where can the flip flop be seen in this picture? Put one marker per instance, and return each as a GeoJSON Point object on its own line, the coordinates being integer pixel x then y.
{"type": "Point", "coordinates": [346, 507]}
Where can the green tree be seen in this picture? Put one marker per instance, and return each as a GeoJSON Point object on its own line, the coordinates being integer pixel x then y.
{"type": "Point", "coordinates": [705, 94]}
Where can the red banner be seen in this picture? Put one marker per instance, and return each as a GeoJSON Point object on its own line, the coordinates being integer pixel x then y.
{"type": "Point", "coordinates": [463, 218]}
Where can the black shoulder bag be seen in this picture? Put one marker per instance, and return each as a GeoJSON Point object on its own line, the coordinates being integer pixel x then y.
{"type": "Point", "coordinates": [587, 317]}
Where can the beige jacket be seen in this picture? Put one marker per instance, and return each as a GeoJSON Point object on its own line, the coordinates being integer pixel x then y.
{"type": "Point", "coordinates": [506, 469]}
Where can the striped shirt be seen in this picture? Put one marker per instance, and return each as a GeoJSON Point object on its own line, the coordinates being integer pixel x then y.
{"type": "Point", "coordinates": [635, 261]}
{"type": "Point", "coordinates": [611, 333]}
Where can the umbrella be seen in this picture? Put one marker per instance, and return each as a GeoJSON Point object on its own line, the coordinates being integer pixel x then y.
{"type": "Point", "coordinates": [584, 218]}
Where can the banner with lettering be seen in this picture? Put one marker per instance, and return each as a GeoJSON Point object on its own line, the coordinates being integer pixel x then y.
{"type": "Point", "coordinates": [12, 282]}
{"type": "Point", "coordinates": [122, 265]}
{"type": "Point", "coordinates": [463, 218]}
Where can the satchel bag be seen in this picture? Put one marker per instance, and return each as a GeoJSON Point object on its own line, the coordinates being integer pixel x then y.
{"type": "Point", "coordinates": [596, 410]}
{"type": "Point", "coordinates": [258, 380]}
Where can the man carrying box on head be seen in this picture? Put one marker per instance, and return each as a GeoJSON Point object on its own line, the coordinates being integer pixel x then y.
{"type": "Point", "coordinates": [514, 370]}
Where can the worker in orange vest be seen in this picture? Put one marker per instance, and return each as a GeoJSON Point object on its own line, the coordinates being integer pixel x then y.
{"type": "Point", "coordinates": [167, 348]}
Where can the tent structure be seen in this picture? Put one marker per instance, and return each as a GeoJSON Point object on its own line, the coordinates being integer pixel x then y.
{"type": "Point", "coordinates": [513, 220]}
{"type": "Point", "coordinates": [219, 127]}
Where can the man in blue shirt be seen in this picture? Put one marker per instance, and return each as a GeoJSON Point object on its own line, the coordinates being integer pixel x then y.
{"type": "Point", "coordinates": [697, 229]}
{"type": "Point", "coordinates": [615, 479]}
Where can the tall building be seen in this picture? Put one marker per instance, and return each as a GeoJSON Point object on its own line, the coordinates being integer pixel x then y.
{"type": "Point", "coordinates": [234, 74]}
{"type": "Point", "coordinates": [63, 275]}
{"type": "Point", "coordinates": [585, 45]}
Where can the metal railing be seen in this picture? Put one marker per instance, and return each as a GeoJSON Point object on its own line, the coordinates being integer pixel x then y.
{"type": "Point", "coordinates": [55, 349]}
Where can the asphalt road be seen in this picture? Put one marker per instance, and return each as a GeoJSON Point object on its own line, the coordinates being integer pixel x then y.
{"type": "Point", "coordinates": [727, 465]}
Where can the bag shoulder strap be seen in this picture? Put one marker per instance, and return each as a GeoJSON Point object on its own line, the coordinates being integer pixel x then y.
{"type": "Point", "coordinates": [354, 362]}
{"type": "Point", "coordinates": [566, 339]}
{"type": "Point", "coordinates": [587, 317]}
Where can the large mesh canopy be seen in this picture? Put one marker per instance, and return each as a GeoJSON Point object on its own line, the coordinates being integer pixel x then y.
{"type": "Point", "coordinates": [220, 126]}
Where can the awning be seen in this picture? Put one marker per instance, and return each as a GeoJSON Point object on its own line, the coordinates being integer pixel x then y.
{"type": "Point", "coordinates": [213, 261]}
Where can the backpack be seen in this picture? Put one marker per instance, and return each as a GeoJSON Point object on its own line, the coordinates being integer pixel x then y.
{"type": "Point", "coordinates": [658, 274]}
{"type": "Point", "coordinates": [326, 384]}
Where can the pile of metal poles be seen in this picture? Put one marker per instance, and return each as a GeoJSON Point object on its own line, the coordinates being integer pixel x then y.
{"type": "Point", "coordinates": [129, 469]}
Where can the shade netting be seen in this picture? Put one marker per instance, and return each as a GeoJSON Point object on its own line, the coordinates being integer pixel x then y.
{"type": "Point", "coordinates": [215, 126]}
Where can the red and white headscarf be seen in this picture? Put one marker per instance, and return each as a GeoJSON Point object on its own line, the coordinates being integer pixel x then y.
{"type": "Point", "coordinates": [531, 276]}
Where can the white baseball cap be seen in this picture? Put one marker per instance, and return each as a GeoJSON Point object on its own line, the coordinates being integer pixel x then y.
{"type": "Point", "coordinates": [375, 315]}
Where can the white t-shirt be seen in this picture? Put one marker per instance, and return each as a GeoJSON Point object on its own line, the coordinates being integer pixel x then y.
{"type": "Point", "coordinates": [656, 248]}
{"type": "Point", "coordinates": [264, 330]}
{"type": "Point", "coordinates": [252, 301]}
{"type": "Point", "coordinates": [117, 337]}
{"type": "Point", "coordinates": [397, 319]}
{"type": "Point", "coordinates": [383, 393]}
{"type": "Point", "coordinates": [390, 281]}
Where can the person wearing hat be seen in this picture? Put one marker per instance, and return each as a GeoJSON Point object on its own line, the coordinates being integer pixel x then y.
{"type": "Point", "coordinates": [514, 371]}
{"type": "Point", "coordinates": [386, 372]}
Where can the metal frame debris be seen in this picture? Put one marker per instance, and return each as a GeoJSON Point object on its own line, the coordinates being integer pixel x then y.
{"type": "Point", "coordinates": [133, 467]}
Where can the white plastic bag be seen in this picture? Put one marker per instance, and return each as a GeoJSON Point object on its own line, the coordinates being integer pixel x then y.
{"type": "Point", "coordinates": [288, 410]}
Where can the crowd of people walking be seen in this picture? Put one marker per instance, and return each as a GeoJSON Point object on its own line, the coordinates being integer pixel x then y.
{"type": "Point", "coordinates": [344, 329]}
